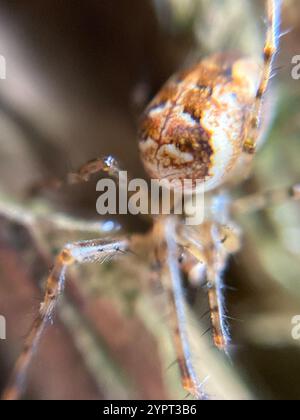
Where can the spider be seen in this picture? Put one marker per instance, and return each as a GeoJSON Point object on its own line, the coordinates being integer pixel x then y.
{"type": "Point", "coordinates": [204, 124]}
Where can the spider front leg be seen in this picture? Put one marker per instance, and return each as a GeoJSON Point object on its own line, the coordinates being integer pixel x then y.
{"type": "Point", "coordinates": [34, 219]}
{"type": "Point", "coordinates": [107, 165]}
{"type": "Point", "coordinates": [273, 9]}
{"type": "Point", "coordinates": [216, 306]}
{"type": "Point", "coordinates": [211, 244]}
{"type": "Point", "coordinates": [167, 254]}
{"type": "Point", "coordinates": [81, 252]}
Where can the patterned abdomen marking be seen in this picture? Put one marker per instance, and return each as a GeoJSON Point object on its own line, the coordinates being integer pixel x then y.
{"type": "Point", "coordinates": [196, 126]}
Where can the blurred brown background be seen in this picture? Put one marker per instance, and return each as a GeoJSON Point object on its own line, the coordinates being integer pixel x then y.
{"type": "Point", "coordinates": [78, 75]}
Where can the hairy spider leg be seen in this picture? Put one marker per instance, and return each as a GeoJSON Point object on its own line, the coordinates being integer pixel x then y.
{"type": "Point", "coordinates": [273, 10]}
{"type": "Point", "coordinates": [172, 282]}
{"type": "Point", "coordinates": [80, 253]}
{"type": "Point", "coordinates": [107, 164]}
{"type": "Point", "coordinates": [32, 219]}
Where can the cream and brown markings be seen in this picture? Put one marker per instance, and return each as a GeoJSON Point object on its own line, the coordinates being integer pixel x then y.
{"type": "Point", "coordinates": [196, 126]}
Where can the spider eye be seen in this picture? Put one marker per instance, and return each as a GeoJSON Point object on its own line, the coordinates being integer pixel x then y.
{"type": "Point", "coordinates": [195, 127]}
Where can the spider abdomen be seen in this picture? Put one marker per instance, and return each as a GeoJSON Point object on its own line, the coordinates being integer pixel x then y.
{"type": "Point", "coordinates": [196, 126]}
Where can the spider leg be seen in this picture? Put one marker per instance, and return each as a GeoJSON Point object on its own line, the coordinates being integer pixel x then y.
{"type": "Point", "coordinates": [212, 249]}
{"type": "Point", "coordinates": [107, 164]}
{"type": "Point", "coordinates": [261, 201]}
{"type": "Point", "coordinates": [216, 305]}
{"type": "Point", "coordinates": [173, 285]}
{"type": "Point", "coordinates": [81, 252]}
{"type": "Point", "coordinates": [273, 9]}
{"type": "Point", "coordinates": [30, 218]}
